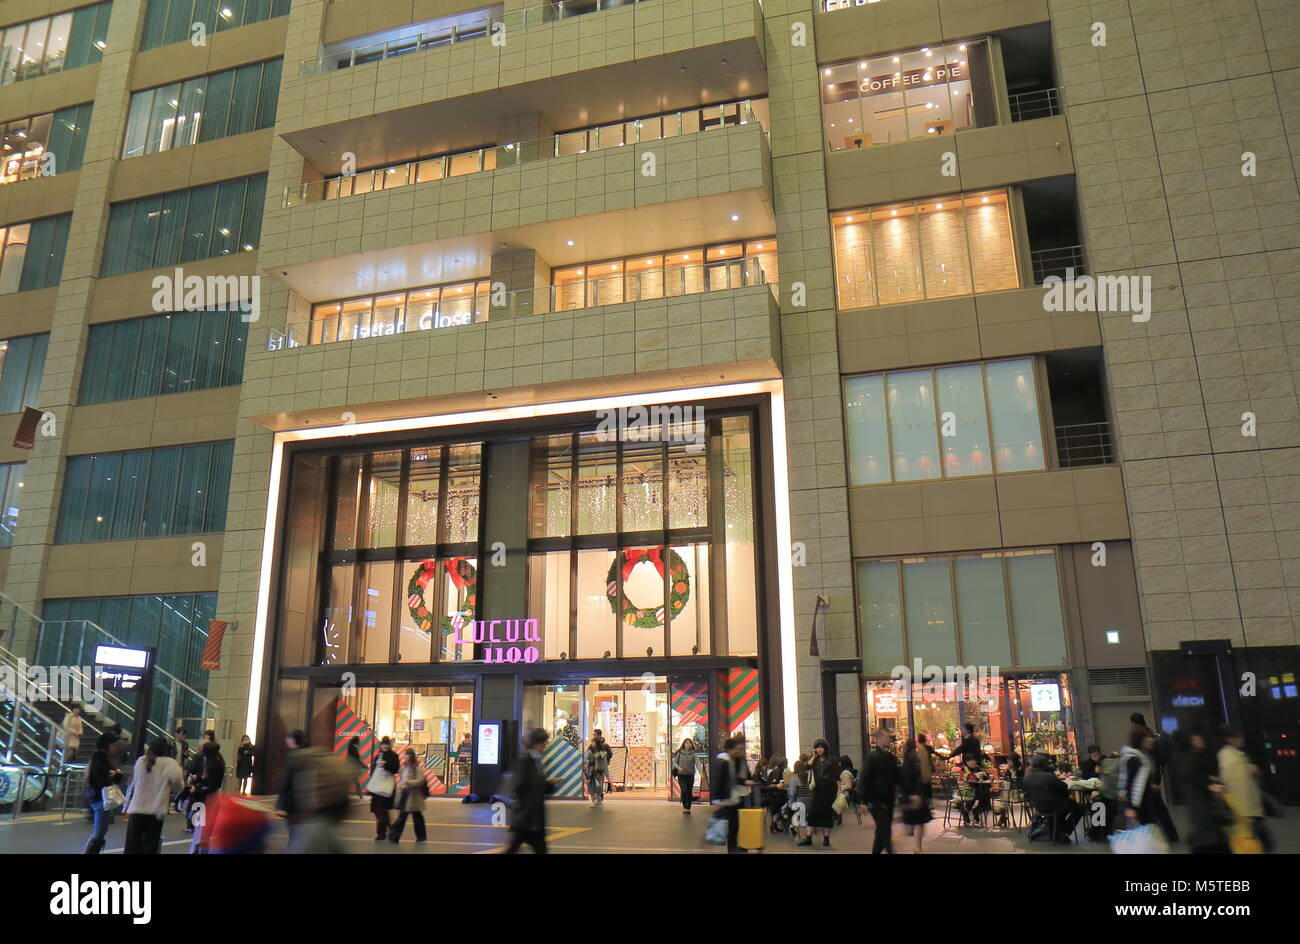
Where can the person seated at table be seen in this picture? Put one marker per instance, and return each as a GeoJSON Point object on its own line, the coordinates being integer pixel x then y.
{"type": "Point", "coordinates": [1014, 771]}
{"type": "Point", "coordinates": [973, 800]}
{"type": "Point", "coordinates": [1090, 766]}
{"type": "Point", "coordinates": [1048, 794]}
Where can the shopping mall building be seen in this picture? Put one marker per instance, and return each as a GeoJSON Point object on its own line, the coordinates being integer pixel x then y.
{"type": "Point", "coordinates": [673, 368]}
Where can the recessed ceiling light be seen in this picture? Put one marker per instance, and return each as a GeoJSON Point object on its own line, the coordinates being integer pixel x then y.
{"type": "Point", "coordinates": [568, 242]}
{"type": "Point", "coordinates": [735, 217]}
{"type": "Point", "coordinates": [826, 72]}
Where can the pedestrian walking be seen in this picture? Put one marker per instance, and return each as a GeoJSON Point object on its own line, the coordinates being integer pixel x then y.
{"type": "Point", "coordinates": [244, 756]}
{"type": "Point", "coordinates": [529, 787]}
{"type": "Point", "coordinates": [314, 796]}
{"type": "Point", "coordinates": [412, 789]}
{"type": "Point", "coordinates": [382, 785]}
{"type": "Point", "coordinates": [354, 757]}
{"type": "Point", "coordinates": [1195, 770]}
{"type": "Point", "coordinates": [727, 788]}
{"type": "Point", "coordinates": [1159, 757]}
{"type": "Point", "coordinates": [848, 798]}
{"type": "Point", "coordinates": [75, 726]}
{"type": "Point", "coordinates": [595, 767]}
{"type": "Point", "coordinates": [914, 786]}
{"type": "Point", "coordinates": [684, 771]}
{"type": "Point", "coordinates": [211, 777]}
{"type": "Point", "coordinates": [1241, 779]}
{"type": "Point", "coordinates": [880, 776]}
{"type": "Point", "coordinates": [155, 780]}
{"type": "Point", "coordinates": [99, 777]}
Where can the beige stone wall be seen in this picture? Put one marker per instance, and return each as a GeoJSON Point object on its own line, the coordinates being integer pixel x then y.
{"type": "Point", "coordinates": [1160, 117]}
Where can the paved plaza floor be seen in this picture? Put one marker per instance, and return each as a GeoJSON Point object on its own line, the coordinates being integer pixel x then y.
{"type": "Point", "coordinates": [621, 825]}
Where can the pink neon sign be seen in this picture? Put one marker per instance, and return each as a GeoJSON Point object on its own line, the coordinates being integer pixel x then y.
{"type": "Point", "coordinates": [485, 632]}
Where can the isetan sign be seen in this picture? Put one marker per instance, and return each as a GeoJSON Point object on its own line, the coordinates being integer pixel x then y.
{"type": "Point", "coordinates": [505, 633]}
{"type": "Point", "coordinates": [829, 6]}
{"type": "Point", "coordinates": [913, 78]}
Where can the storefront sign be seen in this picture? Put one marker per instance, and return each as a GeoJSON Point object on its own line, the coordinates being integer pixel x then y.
{"type": "Point", "coordinates": [913, 78]}
{"type": "Point", "coordinates": [1045, 696]}
{"type": "Point", "coordinates": [120, 668]}
{"type": "Point", "coordinates": [884, 703]}
{"type": "Point", "coordinates": [484, 632]}
{"type": "Point", "coordinates": [830, 6]}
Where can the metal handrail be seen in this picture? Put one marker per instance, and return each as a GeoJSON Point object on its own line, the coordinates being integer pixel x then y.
{"type": "Point", "coordinates": [1058, 261]}
{"type": "Point", "coordinates": [457, 33]}
{"type": "Point", "coordinates": [495, 156]}
{"type": "Point", "coordinates": [1039, 103]}
{"type": "Point", "coordinates": [1082, 444]}
{"type": "Point", "coordinates": [620, 289]}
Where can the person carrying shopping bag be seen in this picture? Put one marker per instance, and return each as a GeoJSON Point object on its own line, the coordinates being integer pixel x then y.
{"type": "Point", "coordinates": [382, 785]}
{"type": "Point", "coordinates": [412, 789]}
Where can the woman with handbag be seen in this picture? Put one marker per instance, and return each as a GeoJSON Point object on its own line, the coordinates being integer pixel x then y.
{"type": "Point", "coordinates": [156, 779]}
{"type": "Point", "coordinates": [684, 771]}
{"type": "Point", "coordinates": [412, 789]}
{"type": "Point", "coordinates": [102, 793]}
{"type": "Point", "coordinates": [914, 784]}
{"type": "Point", "coordinates": [382, 785]}
{"type": "Point", "coordinates": [824, 779]}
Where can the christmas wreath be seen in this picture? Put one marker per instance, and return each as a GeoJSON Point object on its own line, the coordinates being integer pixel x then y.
{"type": "Point", "coordinates": [462, 574]}
{"type": "Point", "coordinates": [679, 587]}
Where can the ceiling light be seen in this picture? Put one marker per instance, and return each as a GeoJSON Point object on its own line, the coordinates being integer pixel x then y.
{"type": "Point", "coordinates": [826, 72]}
{"type": "Point", "coordinates": [896, 59]}
{"type": "Point", "coordinates": [568, 242]}
{"type": "Point", "coordinates": [938, 206]}
{"type": "Point", "coordinates": [735, 217]}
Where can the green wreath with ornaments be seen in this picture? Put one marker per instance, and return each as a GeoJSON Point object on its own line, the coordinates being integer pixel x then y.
{"type": "Point", "coordinates": [645, 617]}
{"type": "Point", "coordinates": [463, 576]}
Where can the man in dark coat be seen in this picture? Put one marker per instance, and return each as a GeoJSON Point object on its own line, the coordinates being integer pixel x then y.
{"type": "Point", "coordinates": [1048, 794]}
{"type": "Point", "coordinates": [530, 786]}
{"type": "Point", "coordinates": [878, 786]}
{"type": "Point", "coordinates": [969, 747]}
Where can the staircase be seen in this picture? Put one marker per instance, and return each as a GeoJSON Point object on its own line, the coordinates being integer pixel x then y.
{"type": "Point", "coordinates": [32, 737]}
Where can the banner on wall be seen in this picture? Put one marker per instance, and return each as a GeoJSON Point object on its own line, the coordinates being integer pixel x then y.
{"type": "Point", "coordinates": [741, 697]}
{"type": "Point", "coordinates": [691, 702]}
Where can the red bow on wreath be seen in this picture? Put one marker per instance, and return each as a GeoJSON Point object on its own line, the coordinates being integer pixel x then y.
{"type": "Point", "coordinates": [453, 570]}
{"type": "Point", "coordinates": [634, 556]}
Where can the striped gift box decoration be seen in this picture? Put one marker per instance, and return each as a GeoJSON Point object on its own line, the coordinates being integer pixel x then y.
{"type": "Point", "coordinates": [562, 761]}
{"type": "Point", "coordinates": [741, 697]}
{"type": "Point", "coordinates": [347, 725]}
{"type": "Point", "coordinates": [691, 701]}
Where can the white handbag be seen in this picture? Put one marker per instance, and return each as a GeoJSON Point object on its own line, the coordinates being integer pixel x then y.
{"type": "Point", "coordinates": [112, 798]}
{"type": "Point", "coordinates": [381, 783]}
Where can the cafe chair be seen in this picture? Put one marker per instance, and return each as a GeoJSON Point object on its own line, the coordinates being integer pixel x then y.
{"type": "Point", "coordinates": [950, 808]}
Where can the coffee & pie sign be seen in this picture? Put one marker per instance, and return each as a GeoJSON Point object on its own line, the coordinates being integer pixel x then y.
{"type": "Point", "coordinates": [912, 78]}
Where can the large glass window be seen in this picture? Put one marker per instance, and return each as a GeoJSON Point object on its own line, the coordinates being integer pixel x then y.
{"type": "Point", "coordinates": [199, 223]}
{"type": "Point", "coordinates": [145, 493]}
{"type": "Point", "coordinates": [656, 275]}
{"type": "Point", "coordinates": [11, 487]}
{"type": "Point", "coordinates": [931, 423]}
{"type": "Point", "coordinates": [401, 565]}
{"type": "Point", "coordinates": [31, 254]}
{"type": "Point", "coordinates": [43, 145]}
{"type": "Point", "coordinates": [419, 309]}
{"type": "Point", "coordinates": [54, 43]}
{"type": "Point", "coordinates": [171, 21]}
{"type": "Point", "coordinates": [187, 350]}
{"type": "Point", "coordinates": [937, 248]}
{"type": "Point", "coordinates": [992, 609]}
{"type": "Point", "coordinates": [205, 108]}
{"type": "Point", "coordinates": [645, 545]}
{"type": "Point", "coordinates": [914, 93]}
{"type": "Point", "coordinates": [22, 364]}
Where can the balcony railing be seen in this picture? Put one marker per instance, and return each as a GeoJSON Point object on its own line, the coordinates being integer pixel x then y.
{"type": "Point", "coordinates": [598, 138]}
{"type": "Point", "coordinates": [1084, 444]}
{"type": "Point", "coordinates": [1040, 103]}
{"type": "Point", "coordinates": [460, 32]}
{"type": "Point", "coordinates": [1057, 261]}
{"type": "Point", "coordinates": [569, 296]}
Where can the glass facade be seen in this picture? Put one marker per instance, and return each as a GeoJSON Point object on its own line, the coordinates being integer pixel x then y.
{"type": "Point", "coordinates": [145, 493]}
{"type": "Point", "coordinates": [937, 248]}
{"type": "Point", "coordinates": [43, 145]}
{"type": "Point", "coordinates": [171, 21]}
{"type": "Point", "coordinates": [176, 624]}
{"type": "Point", "coordinates": [31, 253]}
{"type": "Point", "coordinates": [160, 354]}
{"type": "Point", "coordinates": [420, 309]}
{"type": "Point", "coordinates": [943, 422]}
{"type": "Point", "coordinates": [53, 43]}
{"type": "Point", "coordinates": [991, 608]}
{"type": "Point", "coordinates": [665, 274]}
{"type": "Point", "coordinates": [914, 93]}
{"type": "Point", "coordinates": [205, 108]}
{"type": "Point", "coordinates": [644, 548]}
{"type": "Point", "coordinates": [11, 487]}
{"type": "Point", "coordinates": [170, 228]}
{"type": "Point", "coordinates": [22, 364]}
